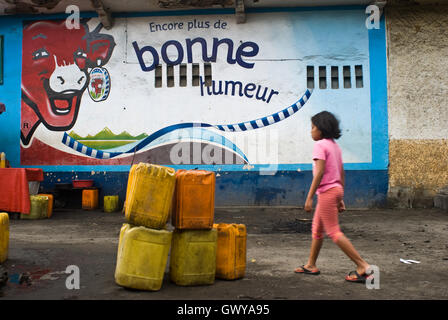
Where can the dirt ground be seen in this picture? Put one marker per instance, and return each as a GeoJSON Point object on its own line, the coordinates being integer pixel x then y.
{"type": "Point", "coordinates": [278, 241]}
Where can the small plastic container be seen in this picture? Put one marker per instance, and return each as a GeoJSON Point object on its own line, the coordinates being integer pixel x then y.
{"type": "Point", "coordinates": [2, 160]}
{"type": "Point", "coordinates": [33, 187]}
{"type": "Point", "coordinates": [50, 203]}
{"type": "Point", "coordinates": [82, 183]}
{"type": "Point", "coordinates": [90, 199]}
{"type": "Point", "coordinates": [38, 208]}
{"type": "Point", "coordinates": [110, 203]}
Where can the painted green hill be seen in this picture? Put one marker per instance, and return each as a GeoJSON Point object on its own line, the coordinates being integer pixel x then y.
{"type": "Point", "coordinates": [74, 135]}
{"type": "Point", "coordinates": [141, 136]}
{"type": "Point", "coordinates": [124, 136]}
{"type": "Point", "coordinates": [107, 134]}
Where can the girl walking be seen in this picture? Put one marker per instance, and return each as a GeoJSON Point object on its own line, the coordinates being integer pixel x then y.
{"type": "Point", "coordinates": [328, 184]}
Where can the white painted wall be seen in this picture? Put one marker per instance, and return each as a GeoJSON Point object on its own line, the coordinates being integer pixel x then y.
{"type": "Point", "coordinates": [288, 42]}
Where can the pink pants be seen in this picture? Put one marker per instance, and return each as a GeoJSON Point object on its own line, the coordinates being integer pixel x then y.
{"type": "Point", "coordinates": [326, 214]}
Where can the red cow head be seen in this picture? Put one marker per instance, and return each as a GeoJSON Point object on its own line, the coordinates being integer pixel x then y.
{"type": "Point", "coordinates": [55, 66]}
{"type": "Point", "coordinates": [97, 84]}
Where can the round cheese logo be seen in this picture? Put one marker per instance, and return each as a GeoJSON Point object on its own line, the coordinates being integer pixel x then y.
{"type": "Point", "coordinates": [99, 84]}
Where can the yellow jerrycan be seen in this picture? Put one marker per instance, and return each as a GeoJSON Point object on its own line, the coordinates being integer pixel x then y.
{"type": "Point", "coordinates": [142, 257]}
{"type": "Point", "coordinates": [50, 203]}
{"type": "Point", "coordinates": [4, 236]}
{"type": "Point", "coordinates": [150, 195]}
{"type": "Point", "coordinates": [110, 203]}
{"type": "Point", "coordinates": [130, 181]}
{"type": "Point", "coordinates": [38, 208]}
{"type": "Point", "coordinates": [193, 257]}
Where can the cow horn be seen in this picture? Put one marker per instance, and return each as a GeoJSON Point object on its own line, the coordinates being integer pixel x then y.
{"type": "Point", "coordinates": [98, 28]}
{"type": "Point", "coordinates": [85, 20]}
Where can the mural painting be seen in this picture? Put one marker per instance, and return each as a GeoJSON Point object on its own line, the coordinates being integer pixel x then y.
{"type": "Point", "coordinates": [181, 83]}
{"type": "Point", "coordinates": [56, 63]}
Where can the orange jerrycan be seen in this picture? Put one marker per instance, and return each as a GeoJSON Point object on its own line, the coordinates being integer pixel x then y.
{"type": "Point", "coordinates": [193, 257]}
{"type": "Point", "coordinates": [194, 199]}
{"type": "Point", "coordinates": [90, 199]}
{"type": "Point", "coordinates": [142, 257]}
{"type": "Point", "coordinates": [150, 193]}
{"type": "Point", "coordinates": [4, 236]}
{"type": "Point", "coordinates": [50, 203]}
{"type": "Point", "coordinates": [231, 251]}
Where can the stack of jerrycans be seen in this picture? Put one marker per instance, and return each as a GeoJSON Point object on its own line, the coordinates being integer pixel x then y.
{"type": "Point", "coordinates": [144, 242]}
{"type": "Point", "coordinates": [194, 245]}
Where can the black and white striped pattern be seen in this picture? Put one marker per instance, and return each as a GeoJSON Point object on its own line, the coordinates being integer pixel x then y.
{"type": "Point", "coordinates": [266, 121]}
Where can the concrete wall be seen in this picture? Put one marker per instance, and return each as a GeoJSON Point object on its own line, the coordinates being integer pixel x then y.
{"type": "Point", "coordinates": [417, 43]}
{"type": "Point", "coordinates": [331, 38]}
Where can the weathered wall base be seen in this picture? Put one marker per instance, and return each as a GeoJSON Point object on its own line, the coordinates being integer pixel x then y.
{"type": "Point", "coordinates": [418, 170]}
{"type": "Point", "coordinates": [441, 201]}
{"type": "Point", "coordinates": [364, 189]}
{"type": "Point", "coordinates": [408, 197]}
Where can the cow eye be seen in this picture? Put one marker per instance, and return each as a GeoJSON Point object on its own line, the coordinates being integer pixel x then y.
{"type": "Point", "coordinates": [40, 53]}
{"type": "Point", "coordinates": [80, 54]}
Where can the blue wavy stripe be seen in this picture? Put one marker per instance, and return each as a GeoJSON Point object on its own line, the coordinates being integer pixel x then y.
{"type": "Point", "coordinates": [242, 126]}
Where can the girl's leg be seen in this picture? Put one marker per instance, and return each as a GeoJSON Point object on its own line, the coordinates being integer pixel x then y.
{"type": "Point", "coordinates": [329, 213]}
{"type": "Point", "coordinates": [317, 240]}
{"type": "Point", "coordinates": [316, 244]}
{"type": "Point", "coordinates": [347, 247]}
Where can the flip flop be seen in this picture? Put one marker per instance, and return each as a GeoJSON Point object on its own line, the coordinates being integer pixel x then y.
{"type": "Point", "coordinates": [360, 278]}
{"type": "Point", "coordinates": [306, 271]}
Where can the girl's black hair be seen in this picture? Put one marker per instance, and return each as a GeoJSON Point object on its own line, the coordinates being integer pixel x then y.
{"type": "Point", "coordinates": [327, 123]}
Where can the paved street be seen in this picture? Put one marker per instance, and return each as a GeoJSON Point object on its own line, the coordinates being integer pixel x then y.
{"type": "Point", "coordinates": [278, 241]}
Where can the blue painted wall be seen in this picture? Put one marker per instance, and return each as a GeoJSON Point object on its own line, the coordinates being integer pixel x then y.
{"type": "Point", "coordinates": [366, 183]}
{"type": "Point", "coordinates": [11, 30]}
{"type": "Point", "coordinates": [233, 188]}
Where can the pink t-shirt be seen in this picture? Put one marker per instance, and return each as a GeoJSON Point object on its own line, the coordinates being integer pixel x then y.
{"type": "Point", "coordinates": [328, 150]}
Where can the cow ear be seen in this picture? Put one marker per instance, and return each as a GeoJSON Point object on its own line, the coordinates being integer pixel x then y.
{"type": "Point", "coordinates": [100, 49]}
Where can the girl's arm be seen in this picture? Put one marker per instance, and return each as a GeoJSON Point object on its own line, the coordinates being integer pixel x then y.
{"type": "Point", "coordinates": [320, 168]}
{"type": "Point", "coordinates": [341, 205]}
